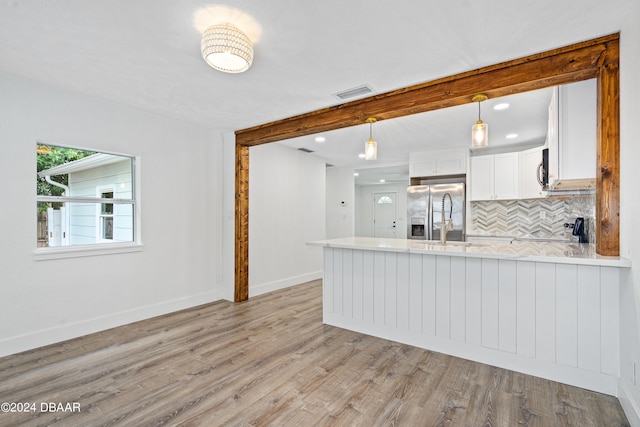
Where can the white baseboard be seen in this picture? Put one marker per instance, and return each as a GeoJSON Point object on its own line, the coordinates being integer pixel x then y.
{"type": "Point", "coordinates": [630, 405]}
{"type": "Point", "coordinates": [255, 290]}
{"type": "Point", "coordinates": [29, 341]}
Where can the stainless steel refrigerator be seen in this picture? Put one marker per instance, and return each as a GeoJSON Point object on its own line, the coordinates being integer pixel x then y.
{"type": "Point", "coordinates": [424, 210]}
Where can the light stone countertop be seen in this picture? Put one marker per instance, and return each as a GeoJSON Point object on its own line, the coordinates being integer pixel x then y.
{"type": "Point", "coordinates": [554, 252]}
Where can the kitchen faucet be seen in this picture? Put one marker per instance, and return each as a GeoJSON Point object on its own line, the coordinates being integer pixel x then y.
{"type": "Point", "coordinates": [443, 221]}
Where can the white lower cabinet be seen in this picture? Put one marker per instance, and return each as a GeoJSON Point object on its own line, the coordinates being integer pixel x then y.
{"type": "Point", "coordinates": [494, 177]}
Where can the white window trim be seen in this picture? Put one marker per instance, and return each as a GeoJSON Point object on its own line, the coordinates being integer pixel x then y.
{"type": "Point", "coordinates": [78, 251]}
{"type": "Point", "coordinates": [62, 252]}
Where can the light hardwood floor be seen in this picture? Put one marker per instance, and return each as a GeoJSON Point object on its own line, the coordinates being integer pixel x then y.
{"type": "Point", "coordinates": [271, 361]}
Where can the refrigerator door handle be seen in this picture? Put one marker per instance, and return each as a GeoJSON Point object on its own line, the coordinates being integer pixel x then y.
{"type": "Point", "coordinates": [430, 216]}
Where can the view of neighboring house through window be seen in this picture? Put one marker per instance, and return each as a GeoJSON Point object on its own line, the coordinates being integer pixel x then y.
{"type": "Point", "coordinates": [106, 216]}
{"type": "Point", "coordinates": [72, 186]}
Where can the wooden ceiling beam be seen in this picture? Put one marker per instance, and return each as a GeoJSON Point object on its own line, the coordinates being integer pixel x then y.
{"type": "Point", "coordinates": [594, 58]}
{"type": "Point", "coordinates": [565, 65]}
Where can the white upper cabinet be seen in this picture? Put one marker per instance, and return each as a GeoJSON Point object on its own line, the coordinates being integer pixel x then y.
{"type": "Point", "coordinates": [529, 163]}
{"type": "Point", "coordinates": [494, 177]}
{"type": "Point", "coordinates": [572, 136]}
{"type": "Point", "coordinates": [438, 163]}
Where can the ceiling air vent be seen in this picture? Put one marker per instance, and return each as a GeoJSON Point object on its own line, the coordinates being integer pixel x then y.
{"type": "Point", "coordinates": [306, 150]}
{"type": "Point", "coordinates": [356, 92]}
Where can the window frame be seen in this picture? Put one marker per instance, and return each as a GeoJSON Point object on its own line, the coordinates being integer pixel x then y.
{"type": "Point", "coordinates": [101, 247]}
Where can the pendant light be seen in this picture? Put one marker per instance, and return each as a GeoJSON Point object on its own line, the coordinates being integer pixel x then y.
{"type": "Point", "coordinates": [480, 129]}
{"type": "Point", "coordinates": [371, 146]}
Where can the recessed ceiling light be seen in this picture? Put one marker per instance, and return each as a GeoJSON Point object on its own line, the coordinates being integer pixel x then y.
{"type": "Point", "coordinates": [320, 139]}
{"type": "Point", "coordinates": [383, 180]}
{"type": "Point", "coordinates": [502, 106]}
{"type": "Point", "coordinates": [356, 174]}
{"type": "Point", "coordinates": [512, 135]}
{"type": "Point", "coordinates": [362, 155]}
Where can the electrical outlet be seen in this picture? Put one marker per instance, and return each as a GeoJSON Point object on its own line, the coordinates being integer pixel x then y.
{"type": "Point", "coordinates": [543, 215]}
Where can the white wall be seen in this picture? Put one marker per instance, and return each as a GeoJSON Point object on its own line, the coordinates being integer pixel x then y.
{"type": "Point", "coordinates": [286, 210]}
{"type": "Point", "coordinates": [340, 203]}
{"type": "Point", "coordinates": [629, 392]}
{"type": "Point", "coordinates": [47, 301]}
{"type": "Point", "coordinates": [364, 208]}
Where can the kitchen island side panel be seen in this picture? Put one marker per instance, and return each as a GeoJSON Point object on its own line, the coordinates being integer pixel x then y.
{"type": "Point", "coordinates": [556, 321]}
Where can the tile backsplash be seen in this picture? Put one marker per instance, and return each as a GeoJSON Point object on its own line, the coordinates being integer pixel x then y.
{"type": "Point", "coordinates": [532, 217]}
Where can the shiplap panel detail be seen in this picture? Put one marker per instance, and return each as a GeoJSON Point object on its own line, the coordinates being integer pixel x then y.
{"type": "Point", "coordinates": [567, 314]}
{"type": "Point", "coordinates": [358, 283]}
{"type": "Point", "coordinates": [391, 288]}
{"type": "Point", "coordinates": [327, 282]}
{"type": "Point", "coordinates": [589, 334]}
{"type": "Point", "coordinates": [443, 297]}
{"type": "Point", "coordinates": [526, 309]}
{"type": "Point", "coordinates": [490, 303]}
{"type": "Point", "coordinates": [563, 314]}
{"type": "Point", "coordinates": [379, 278]}
{"type": "Point", "coordinates": [416, 290]}
{"type": "Point", "coordinates": [429, 294]}
{"type": "Point", "coordinates": [507, 306]}
{"type": "Point", "coordinates": [473, 272]}
{"type": "Point", "coordinates": [458, 299]}
{"type": "Point", "coordinates": [546, 312]}
{"type": "Point", "coordinates": [610, 320]}
{"type": "Point", "coordinates": [403, 292]}
{"type": "Point", "coordinates": [347, 283]}
{"type": "Point", "coordinates": [338, 277]}
{"type": "Point", "coordinates": [367, 294]}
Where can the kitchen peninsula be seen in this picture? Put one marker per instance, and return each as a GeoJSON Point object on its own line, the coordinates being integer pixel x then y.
{"type": "Point", "coordinates": [545, 309]}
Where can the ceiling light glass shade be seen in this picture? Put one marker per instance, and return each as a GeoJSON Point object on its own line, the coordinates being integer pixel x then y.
{"type": "Point", "coordinates": [480, 130]}
{"type": "Point", "coordinates": [226, 48]}
{"type": "Point", "coordinates": [371, 146]}
{"type": "Point", "coordinates": [480, 134]}
{"type": "Point", "coordinates": [371, 150]}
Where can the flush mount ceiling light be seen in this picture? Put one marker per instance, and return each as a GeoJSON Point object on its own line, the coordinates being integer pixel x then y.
{"type": "Point", "coordinates": [226, 48]}
{"type": "Point", "coordinates": [371, 146]}
{"type": "Point", "coordinates": [480, 129]}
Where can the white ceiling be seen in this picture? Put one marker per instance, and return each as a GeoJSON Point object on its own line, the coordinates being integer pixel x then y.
{"type": "Point", "coordinates": [145, 54]}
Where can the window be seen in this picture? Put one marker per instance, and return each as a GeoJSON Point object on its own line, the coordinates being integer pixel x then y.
{"type": "Point", "coordinates": [385, 200]}
{"type": "Point", "coordinates": [72, 186]}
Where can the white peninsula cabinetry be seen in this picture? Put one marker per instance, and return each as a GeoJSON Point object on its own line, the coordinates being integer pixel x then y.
{"type": "Point", "coordinates": [438, 163]}
{"type": "Point", "coordinates": [494, 177]}
{"type": "Point", "coordinates": [545, 309]}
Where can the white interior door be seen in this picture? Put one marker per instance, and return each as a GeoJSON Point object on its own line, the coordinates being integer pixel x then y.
{"type": "Point", "coordinates": [385, 213]}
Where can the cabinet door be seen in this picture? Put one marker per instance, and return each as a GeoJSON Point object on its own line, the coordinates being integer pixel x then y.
{"type": "Point", "coordinates": [481, 180]}
{"type": "Point", "coordinates": [452, 163]}
{"type": "Point", "coordinates": [577, 130]}
{"type": "Point", "coordinates": [528, 185]}
{"type": "Point", "coordinates": [506, 176]}
{"type": "Point", "coordinates": [423, 168]}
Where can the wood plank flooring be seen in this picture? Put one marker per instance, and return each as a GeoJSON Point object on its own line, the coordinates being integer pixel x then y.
{"type": "Point", "coordinates": [270, 361]}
